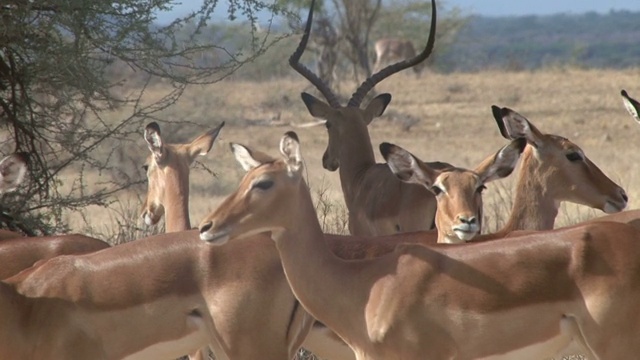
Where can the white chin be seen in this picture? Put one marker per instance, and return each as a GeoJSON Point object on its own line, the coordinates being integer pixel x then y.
{"type": "Point", "coordinates": [218, 238]}
{"type": "Point", "coordinates": [465, 235]}
{"type": "Point", "coordinates": [610, 208]}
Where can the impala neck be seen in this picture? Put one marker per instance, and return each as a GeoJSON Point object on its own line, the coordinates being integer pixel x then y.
{"type": "Point", "coordinates": [356, 157]}
{"type": "Point", "coordinates": [176, 199]}
{"type": "Point", "coordinates": [534, 207]}
{"type": "Point", "coordinates": [305, 255]}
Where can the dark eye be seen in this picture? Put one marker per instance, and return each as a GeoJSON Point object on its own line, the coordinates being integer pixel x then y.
{"type": "Point", "coordinates": [480, 189]}
{"type": "Point", "coordinates": [436, 190]}
{"type": "Point", "coordinates": [328, 125]}
{"type": "Point", "coordinates": [574, 156]}
{"type": "Point", "coordinates": [145, 167]}
{"type": "Point", "coordinates": [263, 185]}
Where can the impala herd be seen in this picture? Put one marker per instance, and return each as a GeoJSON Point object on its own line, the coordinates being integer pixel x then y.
{"type": "Point", "coordinates": [416, 279]}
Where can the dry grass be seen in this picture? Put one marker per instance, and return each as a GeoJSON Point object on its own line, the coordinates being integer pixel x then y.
{"type": "Point", "coordinates": [454, 124]}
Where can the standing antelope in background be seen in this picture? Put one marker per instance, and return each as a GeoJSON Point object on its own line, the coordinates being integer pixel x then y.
{"type": "Point", "coordinates": [526, 297]}
{"type": "Point", "coordinates": [390, 50]}
{"type": "Point", "coordinates": [167, 169]}
{"type": "Point", "coordinates": [377, 201]}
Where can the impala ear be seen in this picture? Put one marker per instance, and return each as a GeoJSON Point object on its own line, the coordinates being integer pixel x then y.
{"type": "Point", "coordinates": [13, 169]}
{"type": "Point", "coordinates": [377, 106]}
{"type": "Point", "coordinates": [317, 108]}
{"type": "Point", "coordinates": [632, 106]}
{"type": "Point", "coordinates": [153, 139]}
{"type": "Point", "coordinates": [516, 126]}
{"type": "Point", "coordinates": [203, 143]}
{"type": "Point", "coordinates": [290, 150]}
{"type": "Point", "coordinates": [244, 156]}
{"type": "Point", "coordinates": [502, 163]}
{"type": "Point", "coordinates": [407, 167]}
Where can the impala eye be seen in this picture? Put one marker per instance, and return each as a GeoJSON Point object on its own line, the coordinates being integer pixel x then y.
{"type": "Point", "coordinates": [145, 167]}
{"type": "Point", "coordinates": [480, 189]}
{"type": "Point", "coordinates": [263, 185]}
{"type": "Point", "coordinates": [574, 156]}
{"type": "Point", "coordinates": [327, 125]}
{"type": "Point", "coordinates": [436, 190]}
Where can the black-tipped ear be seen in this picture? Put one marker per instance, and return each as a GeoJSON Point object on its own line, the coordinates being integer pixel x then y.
{"type": "Point", "coordinates": [497, 115]}
{"type": "Point", "coordinates": [632, 106]}
{"type": "Point", "coordinates": [385, 149]}
{"type": "Point", "coordinates": [386, 97]}
{"type": "Point", "coordinates": [292, 135]}
{"type": "Point", "coordinates": [153, 126]}
{"type": "Point", "coordinates": [307, 98]}
{"type": "Point", "coordinates": [521, 143]}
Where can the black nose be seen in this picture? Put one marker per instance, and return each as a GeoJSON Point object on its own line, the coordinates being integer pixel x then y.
{"type": "Point", "coordinates": [206, 227]}
{"type": "Point", "coordinates": [624, 196]}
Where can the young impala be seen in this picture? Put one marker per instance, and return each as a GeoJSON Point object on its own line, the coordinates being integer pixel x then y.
{"type": "Point", "coordinates": [168, 172]}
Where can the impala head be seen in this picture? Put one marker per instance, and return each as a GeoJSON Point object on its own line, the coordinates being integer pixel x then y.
{"type": "Point", "coordinates": [168, 168]}
{"type": "Point", "coordinates": [458, 191]}
{"type": "Point", "coordinates": [632, 106]}
{"type": "Point", "coordinates": [345, 122]}
{"type": "Point", "coordinates": [264, 197]}
{"type": "Point", "coordinates": [562, 167]}
{"type": "Point", "coordinates": [13, 169]}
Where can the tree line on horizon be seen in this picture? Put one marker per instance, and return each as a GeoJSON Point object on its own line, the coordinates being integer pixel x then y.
{"type": "Point", "coordinates": [589, 40]}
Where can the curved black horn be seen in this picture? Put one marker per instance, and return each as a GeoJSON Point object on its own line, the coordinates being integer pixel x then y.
{"type": "Point", "coordinates": [294, 62]}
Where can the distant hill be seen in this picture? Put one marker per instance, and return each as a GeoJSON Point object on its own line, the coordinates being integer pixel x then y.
{"type": "Point", "coordinates": [609, 40]}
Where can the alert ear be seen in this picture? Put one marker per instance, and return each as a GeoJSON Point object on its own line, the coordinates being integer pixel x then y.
{"type": "Point", "coordinates": [13, 169]}
{"type": "Point", "coordinates": [154, 140]}
{"type": "Point", "coordinates": [502, 163]}
{"type": "Point", "coordinates": [203, 143]}
{"type": "Point", "coordinates": [377, 106]}
{"type": "Point", "coordinates": [632, 106]}
{"type": "Point", "coordinates": [516, 126]}
{"type": "Point", "coordinates": [407, 167]}
{"type": "Point", "coordinates": [317, 108]}
{"type": "Point", "coordinates": [244, 156]}
{"type": "Point", "coordinates": [290, 150]}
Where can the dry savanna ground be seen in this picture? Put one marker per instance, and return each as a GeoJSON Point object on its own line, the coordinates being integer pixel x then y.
{"type": "Point", "coordinates": [443, 117]}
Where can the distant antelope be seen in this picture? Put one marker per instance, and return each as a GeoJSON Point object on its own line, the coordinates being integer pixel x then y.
{"type": "Point", "coordinates": [390, 50]}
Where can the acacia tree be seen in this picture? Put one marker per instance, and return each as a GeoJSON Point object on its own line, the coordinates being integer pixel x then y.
{"type": "Point", "coordinates": [359, 23]}
{"type": "Point", "coordinates": [58, 77]}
